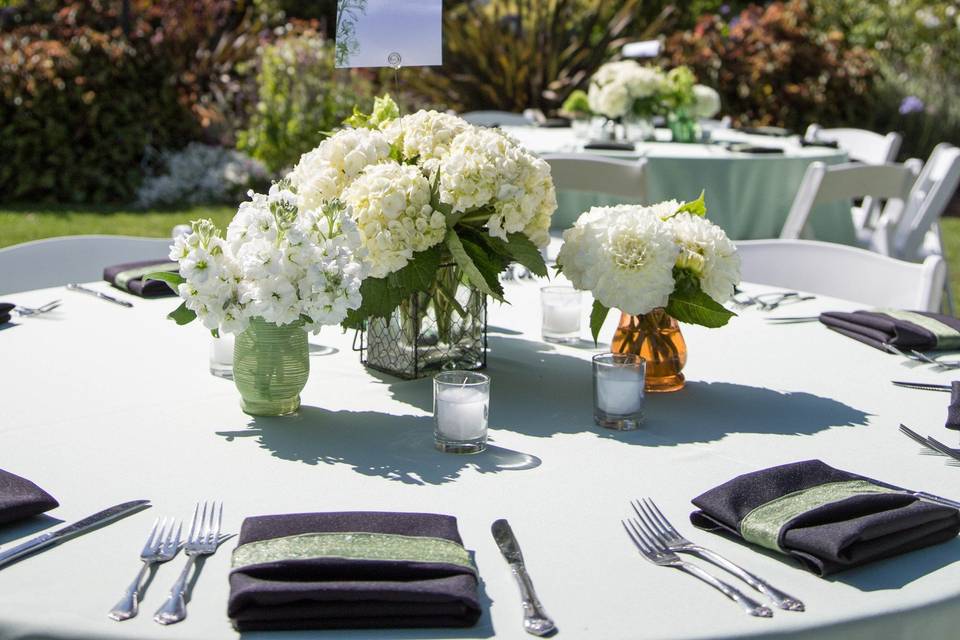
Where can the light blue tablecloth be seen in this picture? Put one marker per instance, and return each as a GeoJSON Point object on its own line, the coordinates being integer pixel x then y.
{"type": "Point", "coordinates": [749, 195]}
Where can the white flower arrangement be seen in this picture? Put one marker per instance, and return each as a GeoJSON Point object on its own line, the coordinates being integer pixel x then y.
{"type": "Point", "coordinates": [636, 259]}
{"type": "Point", "coordinates": [619, 88]}
{"type": "Point", "coordinates": [365, 220]}
{"type": "Point", "coordinates": [278, 262]}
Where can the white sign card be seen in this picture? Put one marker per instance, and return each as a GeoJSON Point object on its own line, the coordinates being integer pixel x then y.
{"type": "Point", "coordinates": [389, 33]}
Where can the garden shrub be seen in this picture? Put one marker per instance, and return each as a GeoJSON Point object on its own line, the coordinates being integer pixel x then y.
{"type": "Point", "coordinates": [77, 109]}
{"type": "Point", "coordinates": [300, 99]}
{"type": "Point", "coordinates": [773, 66]}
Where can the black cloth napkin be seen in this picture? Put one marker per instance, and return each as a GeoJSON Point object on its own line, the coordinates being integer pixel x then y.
{"type": "Point", "coordinates": [953, 410]}
{"type": "Point", "coordinates": [20, 498]}
{"type": "Point", "coordinates": [129, 277]}
{"type": "Point", "coordinates": [610, 145]}
{"type": "Point", "coordinates": [301, 571]}
{"type": "Point", "coordinates": [776, 132]}
{"type": "Point", "coordinates": [828, 519]}
{"type": "Point", "coordinates": [743, 147]}
{"type": "Point", "coordinates": [832, 144]}
{"type": "Point", "coordinates": [920, 330]}
{"type": "Point", "coordinates": [5, 309]}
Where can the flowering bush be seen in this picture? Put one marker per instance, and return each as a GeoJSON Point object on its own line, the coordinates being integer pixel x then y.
{"type": "Point", "coordinates": [277, 262]}
{"type": "Point", "coordinates": [637, 259]}
{"type": "Point", "coordinates": [201, 174]}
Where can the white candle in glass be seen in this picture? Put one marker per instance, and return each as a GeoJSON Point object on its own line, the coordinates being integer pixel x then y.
{"type": "Point", "coordinates": [620, 390]}
{"type": "Point", "coordinates": [561, 318]}
{"type": "Point", "coordinates": [461, 412]}
{"type": "Point", "coordinates": [221, 355]}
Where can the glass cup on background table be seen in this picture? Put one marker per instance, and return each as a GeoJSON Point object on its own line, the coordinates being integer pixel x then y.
{"type": "Point", "coordinates": [221, 356]}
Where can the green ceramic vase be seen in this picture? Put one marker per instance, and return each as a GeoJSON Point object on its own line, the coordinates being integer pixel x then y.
{"type": "Point", "coordinates": [270, 367]}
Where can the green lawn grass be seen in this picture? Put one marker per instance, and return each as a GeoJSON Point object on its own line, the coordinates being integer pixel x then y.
{"type": "Point", "coordinates": [25, 222]}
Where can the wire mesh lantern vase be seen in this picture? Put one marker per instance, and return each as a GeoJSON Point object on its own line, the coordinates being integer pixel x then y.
{"type": "Point", "coordinates": [445, 328]}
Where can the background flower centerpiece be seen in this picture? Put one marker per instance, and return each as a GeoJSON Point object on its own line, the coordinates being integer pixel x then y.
{"type": "Point", "coordinates": [283, 268]}
{"type": "Point", "coordinates": [628, 92]}
{"type": "Point", "coordinates": [658, 265]}
{"type": "Point", "coordinates": [441, 208]}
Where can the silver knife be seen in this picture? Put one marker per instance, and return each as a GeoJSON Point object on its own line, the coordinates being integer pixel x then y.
{"type": "Point", "coordinates": [535, 619]}
{"type": "Point", "coordinates": [76, 287]}
{"type": "Point", "coordinates": [923, 386]}
{"type": "Point", "coordinates": [52, 538]}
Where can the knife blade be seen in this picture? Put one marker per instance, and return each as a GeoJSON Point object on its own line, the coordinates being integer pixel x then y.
{"type": "Point", "coordinates": [923, 386]}
{"type": "Point", "coordinates": [535, 619]}
{"type": "Point", "coordinates": [52, 538]}
{"type": "Point", "coordinates": [76, 287]}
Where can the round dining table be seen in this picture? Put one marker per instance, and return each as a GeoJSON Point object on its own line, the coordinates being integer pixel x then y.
{"type": "Point", "coordinates": [103, 404]}
{"type": "Point", "coordinates": [748, 189]}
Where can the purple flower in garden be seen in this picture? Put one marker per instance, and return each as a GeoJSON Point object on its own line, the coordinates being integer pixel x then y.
{"type": "Point", "coordinates": [911, 104]}
{"type": "Point", "coordinates": [724, 9]}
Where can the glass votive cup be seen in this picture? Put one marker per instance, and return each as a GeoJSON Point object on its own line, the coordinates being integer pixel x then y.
{"type": "Point", "coordinates": [618, 381]}
{"type": "Point", "coordinates": [461, 401]}
{"type": "Point", "coordinates": [221, 356]}
{"type": "Point", "coordinates": [562, 310]}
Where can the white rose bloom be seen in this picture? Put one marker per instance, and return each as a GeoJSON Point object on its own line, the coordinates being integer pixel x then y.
{"type": "Point", "coordinates": [327, 170]}
{"type": "Point", "coordinates": [391, 205]}
{"type": "Point", "coordinates": [707, 251]}
{"type": "Point", "coordinates": [707, 102]}
{"type": "Point", "coordinates": [623, 254]}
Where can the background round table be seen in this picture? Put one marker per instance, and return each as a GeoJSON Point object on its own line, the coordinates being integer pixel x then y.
{"type": "Point", "coordinates": [748, 194]}
{"type": "Point", "coordinates": [103, 404]}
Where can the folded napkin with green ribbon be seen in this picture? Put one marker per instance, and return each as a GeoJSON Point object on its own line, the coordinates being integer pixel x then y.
{"type": "Point", "coordinates": [129, 277]}
{"type": "Point", "coordinates": [20, 498]}
{"type": "Point", "coordinates": [953, 409]}
{"type": "Point", "coordinates": [921, 330]}
{"type": "Point", "coordinates": [351, 570]}
{"type": "Point", "coordinates": [6, 309]}
{"type": "Point", "coordinates": [830, 520]}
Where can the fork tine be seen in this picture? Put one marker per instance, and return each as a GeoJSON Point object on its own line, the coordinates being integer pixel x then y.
{"type": "Point", "coordinates": [663, 531]}
{"type": "Point", "coordinates": [174, 539]}
{"type": "Point", "coordinates": [916, 437]}
{"type": "Point", "coordinates": [647, 524]}
{"type": "Point", "coordinates": [642, 513]}
{"type": "Point", "coordinates": [148, 546]}
{"type": "Point", "coordinates": [650, 536]}
{"type": "Point", "coordinates": [204, 526]}
{"type": "Point", "coordinates": [216, 530]}
{"type": "Point", "coordinates": [194, 523]}
{"type": "Point", "coordinates": [662, 519]}
{"type": "Point", "coordinates": [638, 540]}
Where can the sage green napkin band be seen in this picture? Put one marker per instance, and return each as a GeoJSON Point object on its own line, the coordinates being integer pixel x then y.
{"type": "Point", "coordinates": [763, 524]}
{"type": "Point", "coordinates": [947, 337]}
{"type": "Point", "coordinates": [124, 277]}
{"type": "Point", "coordinates": [353, 546]}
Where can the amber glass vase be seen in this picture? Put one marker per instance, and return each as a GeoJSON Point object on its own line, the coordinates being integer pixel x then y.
{"type": "Point", "coordinates": [656, 338]}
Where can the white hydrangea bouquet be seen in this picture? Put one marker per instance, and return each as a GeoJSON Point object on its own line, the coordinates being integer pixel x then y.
{"type": "Point", "coordinates": [625, 87]}
{"type": "Point", "coordinates": [638, 259]}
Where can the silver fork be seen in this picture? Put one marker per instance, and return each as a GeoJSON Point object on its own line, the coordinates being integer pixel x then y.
{"type": "Point", "coordinates": [659, 555]}
{"type": "Point", "coordinates": [30, 311]}
{"type": "Point", "coordinates": [930, 443]}
{"type": "Point", "coordinates": [203, 541]}
{"type": "Point", "coordinates": [673, 540]}
{"type": "Point", "coordinates": [161, 546]}
{"type": "Point", "coordinates": [953, 364]}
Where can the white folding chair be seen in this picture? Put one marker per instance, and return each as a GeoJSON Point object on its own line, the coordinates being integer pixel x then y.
{"type": "Point", "coordinates": [822, 184]}
{"type": "Point", "coordinates": [841, 271]}
{"type": "Point", "coordinates": [589, 172]}
{"type": "Point", "coordinates": [861, 145]}
{"type": "Point", "coordinates": [496, 119]}
{"type": "Point", "coordinates": [57, 261]}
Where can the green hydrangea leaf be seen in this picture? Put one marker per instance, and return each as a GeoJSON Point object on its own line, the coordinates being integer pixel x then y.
{"type": "Point", "coordinates": [522, 249]}
{"type": "Point", "coordinates": [382, 295]}
{"type": "Point", "coordinates": [688, 303]}
{"type": "Point", "coordinates": [419, 273]}
{"type": "Point", "coordinates": [697, 207]}
{"type": "Point", "coordinates": [479, 269]}
{"type": "Point", "coordinates": [597, 317]}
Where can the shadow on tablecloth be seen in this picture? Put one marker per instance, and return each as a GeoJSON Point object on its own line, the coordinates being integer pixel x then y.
{"type": "Point", "coordinates": [375, 444]}
{"type": "Point", "coordinates": [538, 390]}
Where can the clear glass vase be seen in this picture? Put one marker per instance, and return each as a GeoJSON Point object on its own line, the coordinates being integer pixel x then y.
{"type": "Point", "coordinates": [270, 367]}
{"type": "Point", "coordinates": [656, 338]}
{"type": "Point", "coordinates": [637, 128]}
{"type": "Point", "coordinates": [682, 126]}
{"type": "Point", "coordinates": [444, 328]}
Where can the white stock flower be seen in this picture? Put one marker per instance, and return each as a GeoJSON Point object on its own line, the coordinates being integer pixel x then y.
{"type": "Point", "coordinates": [707, 102]}
{"type": "Point", "coordinates": [623, 254]}
{"type": "Point", "coordinates": [391, 205]}
{"type": "Point", "coordinates": [707, 251]}
{"type": "Point", "coordinates": [323, 173]}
